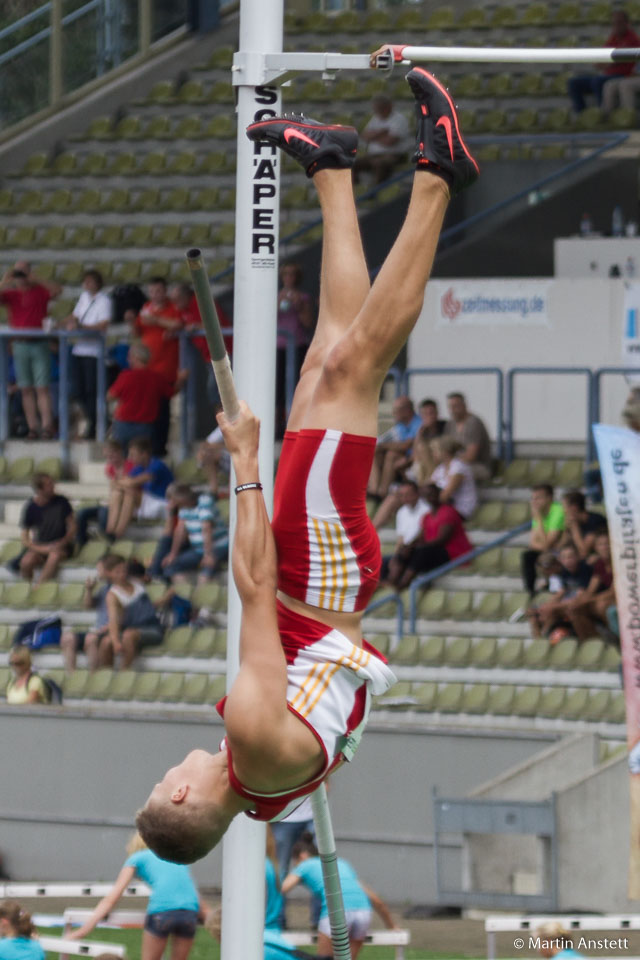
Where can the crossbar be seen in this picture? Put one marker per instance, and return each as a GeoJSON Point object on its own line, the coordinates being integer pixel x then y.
{"type": "Point", "coordinates": [405, 53]}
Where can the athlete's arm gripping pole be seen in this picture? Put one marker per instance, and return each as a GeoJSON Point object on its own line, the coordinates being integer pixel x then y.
{"type": "Point", "coordinates": [211, 323]}
{"type": "Point", "coordinates": [332, 889]}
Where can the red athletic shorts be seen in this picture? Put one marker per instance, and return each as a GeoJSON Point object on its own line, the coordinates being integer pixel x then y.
{"type": "Point", "coordinates": [328, 549]}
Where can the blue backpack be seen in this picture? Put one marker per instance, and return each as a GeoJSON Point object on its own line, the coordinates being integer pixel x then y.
{"type": "Point", "coordinates": [35, 634]}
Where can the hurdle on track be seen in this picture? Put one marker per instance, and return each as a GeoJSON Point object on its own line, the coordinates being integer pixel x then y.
{"type": "Point", "coordinates": [259, 67]}
{"type": "Point", "coordinates": [16, 891]}
{"type": "Point", "coordinates": [80, 948]}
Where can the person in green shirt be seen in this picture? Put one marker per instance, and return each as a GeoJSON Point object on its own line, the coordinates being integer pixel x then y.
{"type": "Point", "coordinates": [547, 525]}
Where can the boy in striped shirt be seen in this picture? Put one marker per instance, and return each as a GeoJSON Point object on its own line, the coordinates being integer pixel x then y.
{"type": "Point", "coordinates": [200, 539]}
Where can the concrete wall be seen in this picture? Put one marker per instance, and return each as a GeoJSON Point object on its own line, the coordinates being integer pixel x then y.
{"type": "Point", "coordinates": [71, 784]}
{"type": "Point", "coordinates": [584, 328]}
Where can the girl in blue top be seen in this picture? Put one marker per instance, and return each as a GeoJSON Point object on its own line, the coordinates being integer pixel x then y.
{"type": "Point", "coordinates": [17, 932]}
{"type": "Point", "coordinates": [174, 906]}
{"type": "Point", "coordinates": [358, 899]}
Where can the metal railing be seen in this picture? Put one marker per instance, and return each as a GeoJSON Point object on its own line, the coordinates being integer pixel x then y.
{"type": "Point", "coordinates": [541, 371]}
{"type": "Point", "coordinates": [397, 600]}
{"type": "Point", "coordinates": [596, 398]}
{"type": "Point", "coordinates": [457, 371]}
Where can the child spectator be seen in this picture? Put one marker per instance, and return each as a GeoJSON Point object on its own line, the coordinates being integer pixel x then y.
{"type": "Point", "coordinates": [95, 598]}
{"type": "Point", "coordinates": [551, 618]}
{"type": "Point", "coordinates": [581, 526]}
{"type": "Point", "coordinates": [140, 392]}
{"type": "Point", "coordinates": [47, 529]}
{"type": "Point", "coordinates": [547, 526]}
{"type": "Point", "coordinates": [116, 466]}
{"type": "Point", "coordinates": [200, 540]}
{"type": "Point", "coordinates": [471, 432]}
{"type": "Point", "coordinates": [133, 623]}
{"type": "Point", "coordinates": [18, 934]}
{"type": "Point", "coordinates": [142, 493]}
{"type": "Point", "coordinates": [92, 311]}
{"type": "Point", "coordinates": [25, 686]}
{"type": "Point", "coordinates": [408, 531]}
{"type": "Point", "coordinates": [454, 476]}
{"type": "Point", "coordinates": [443, 538]}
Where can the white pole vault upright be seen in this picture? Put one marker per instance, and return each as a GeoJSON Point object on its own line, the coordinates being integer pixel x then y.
{"type": "Point", "coordinates": [254, 350]}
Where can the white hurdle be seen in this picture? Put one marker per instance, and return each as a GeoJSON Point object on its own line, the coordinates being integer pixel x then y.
{"type": "Point", "coordinates": [510, 924]}
{"type": "Point", "coordinates": [80, 948]}
{"type": "Point", "coordinates": [377, 938]}
{"type": "Point", "coordinates": [16, 891]}
{"type": "Point", "coordinates": [120, 919]}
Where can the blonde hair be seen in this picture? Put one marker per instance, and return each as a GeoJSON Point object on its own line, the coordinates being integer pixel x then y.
{"type": "Point", "coordinates": [18, 918]}
{"type": "Point", "coordinates": [446, 444]}
{"type": "Point", "coordinates": [135, 844]}
{"type": "Point", "coordinates": [423, 461]}
{"type": "Point", "coordinates": [180, 834]}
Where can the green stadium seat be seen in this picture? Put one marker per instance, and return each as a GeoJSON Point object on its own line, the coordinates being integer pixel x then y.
{"type": "Point", "coordinates": [590, 119]}
{"type": "Point", "coordinates": [161, 92]}
{"type": "Point", "coordinates": [98, 684]}
{"type": "Point", "coordinates": [458, 652]}
{"type": "Point", "coordinates": [221, 59]}
{"type": "Point", "coordinates": [37, 165]}
{"type": "Point", "coordinates": [408, 19]}
{"type": "Point", "coordinates": [65, 164]}
{"type": "Point", "coordinates": [611, 659]}
{"type": "Point", "coordinates": [20, 470]}
{"type": "Point", "coordinates": [529, 85]}
{"type": "Point", "coordinates": [184, 162]}
{"type": "Point", "coordinates": [597, 705]}
{"type": "Point", "coordinates": [195, 689]}
{"type": "Point", "coordinates": [516, 473]}
{"type": "Point", "coordinates": [110, 235]}
{"type": "Point", "coordinates": [511, 562]}
{"type": "Point", "coordinates": [526, 701]}
{"type": "Point", "coordinates": [500, 85]}
{"type": "Point", "coordinates": [515, 514]}
{"type": "Point", "coordinates": [407, 650]}
{"type": "Point", "coordinates": [71, 273]}
{"type": "Point", "coordinates": [551, 702]}
{"type": "Point", "coordinates": [30, 201]}
{"type": "Point", "coordinates": [424, 695]}
{"type": "Point", "coordinates": [146, 686]}
{"type": "Point", "coordinates": [177, 199]}
{"type": "Point", "coordinates": [192, 91]}
{"type": "Point", "coordinates": [213, 162]}
{"type": "Point", "coordinates": [221, 92]}
{"type": "Point", "coordinates": [513, 602]}
{"type": "Point", "coordinates": [432, 651]}
{"type": "Point", "coordinates": [50, 465]}
{"type": "Point", "coordinates": [88, 201]}
{"type": "Point", "coordinates": [216, 689]}
{"type": "Point", "coordinates": [178, 640]}
{"type": "Point", "coordinates": [71, 596]}
{"type": "Point", "coordinates": [501, 700]}
{"type": "Point", "coordinates": [144, 551]}
{"type": "Point", "coordinates": [159, 127]}
{"type": "Point", "coordinates": [75, 684]}
{"type": "Point", "coordinates": [448, 697]}
{"type": "Point", "coordinates": [489, 153]}
{"type": "Point", "coordinates": [209, 595]}
{"type": "Point", "coordinates": [222, 126]}
{"type": "Point", "coordinates": [9, 550]}
{"type": "Point", "coordinates": [128, 272]}
{"type": "Point", "coordinates": [483, 652]}
{"type": "Point", "coordinates": [225, 234]}
{"type": "Point", "coordinates": [60, 201]}
{"type": "Point", "coordinates": [196, 235]}
{"type": "Point", "coordinates": [567, 13]}
{"type": "Point", "coordinates": [91, 552]}
{"type": "Point", "coordinates": [5, 675]}
{"type": "Point", "coordinates": [536, 654]}
{"type": "Point", "coordinates": [616, 711]}
{"type": "Point", "coordinates": [93, 165]}
{"type": "Point", "coordinates": [377, 20]}
{"type": "Point", "coordinates": [129, 128]}
{"type": "Point", "coordinates": [5, 636]}
{"type": "Point", "coordinates": [203, 642]}
{"type": "Point", "coordinates": [205, 199]}
{"type": "Point", "coordinates": [220, 649]}
{"type": "Point", "coordinates": [475, 699]}
{"type": "Point", "coordinates": [227, 200]}
{"type": "Point", "coordinates": [100, 128]}
{"type": "Point", "coordinates": [124, 164]}
{"type": "Point", "coordinates": [570, 474]}
{"type": "Point", "coordinates": [123, 685]}
{"type": "Point", "coordinates": [563, 654]}
{"type": "Point", "coordinates": [598, 12]}
{"type": "Point", "coordinates": [382, 643]}
{"type": "Point", "coordinates": [432, 604]}
{"type": "Point", "coordinates": [81, 236]}
{"type": "Point", "coordinates": [575, 704]}
{"type": "Point", "coordinates": [510, 653]}
{"type": "Point", "coordinates": [543, 472]}
{"type": "Point", "coordinates": [44, 595]}
{"type": "Point", "coordinates": [23, 237]}
{"type": "Point", "coordinates": [623, 118]}
{"type": "Point", "coordinates": [167, 235]}
{"type": "Point", "coordinates": [170, 688]}
{"type": "Point", "coordinates": [6, 200]}
{"type": "Point", "coordinates": [488, 516]}
{"type": "Point", "coordinates": [493, 121]}
{"type": "Point", "coordinates": [490, 607]}
{"type": "Point", "coordinates": [138, 236]}
{"type": "Point", "coordinates": [152, 163]}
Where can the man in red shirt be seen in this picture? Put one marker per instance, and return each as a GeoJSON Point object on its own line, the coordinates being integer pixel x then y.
{"type": "Point", "coordinates": [140, 392]}
{"type": "Point", "coordinates": [26, 299]}
{"type": "Point", "coordinates": [444, 538]}
{"type": "Point", "coordinates": [157, 325]}
{"type": "Point", "coordinates": [621, 36]}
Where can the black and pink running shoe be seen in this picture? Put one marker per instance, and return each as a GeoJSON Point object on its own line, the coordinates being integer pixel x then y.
{"type": "Point", "coordinates": [439, 144]}
{"type": "Point", "coordinates": [316, 146]}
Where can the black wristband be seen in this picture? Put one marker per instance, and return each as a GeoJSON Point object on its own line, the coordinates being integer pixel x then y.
{"type": "Point", "coordinates": [248, 486]}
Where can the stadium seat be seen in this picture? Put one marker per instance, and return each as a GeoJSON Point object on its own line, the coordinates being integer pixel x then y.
{"type": "Point", "coordinates": [9, 550]}
{"type": "Point", "coordinates": [178, 640]}
{"type": "Point", "coordinates": [99, 684]}
{"type": "Point", "coordinates": [203, 643]}
{"type": "Point", "coordinates": [551, 702]}
{"type": "Point", "coordinates": [222, 126]}
{"type": "Point", "coordinates": [5, 636]}
{"type": "Point", "coordinates": [597, 705]}
{"type": "Point", "coordinates": [536, 654]}
{"type": "Point", "coordinates": [6, 200]}
{"type": "Point", "coordinates": [159, 127]}
{"type": "Point", "coordinates": [209, 595]}
{"type": "Point", "coordinates": [88, 201]}
{"type": "Point", "coordinates": [516, 514]}
{"type": "Point", "coordinates": [110, 235]}
{"type": "Point", "coordinates": [20, 470]}
{"type": "Point", "coordinates": [50, 465]}
{"type": "Point", "coordinates": [611, 659]}
{"type": "Point", "coordinates": [146, 686]}
{"type": "Point", "coordinates": [483, 652]}
{"type": "Point", "coordinates": [590, 655]}
{"type": "Point", "coordinates": [60, 201]}
{"type": "Point", "coordinates": [501, 700]}
{"type": "Point", "coordinates": [425, 695]}
{"type": "Point", "coordinates": [5, 675]}
{"type": "Point", "coordinates": [510, 653]}
{"type": "Point", "coordinates": [458, 652]}
{"type": "Point", "coordinates": [220, 649]}
{"type": "Point", "coordinates": [221, 58]}
{"type": "Point", "coordinates": [448, 697]}
{"type": "Point", "coordinates": [221, 92]}
{"type": "Point", "coordinates": [563, 654]}
{"type": "Point", "coordinates": [489, 516]}
{"type": "Point", "coordinates": [16, 595]}
{"type": "Point", "coordinates": [75, 684]}
{"type": "Point", "coordinates": [195, 689]}
{"type": "Point", "coordinates": [616, 711]}
{"type": "Point", "coordinates": [37, 165]}
{"type": "Point", "coordinates": [513, 602]}
{"type": "Point", "coordinates": [542, 472]}
{"type": "Point", "coordinates": [129, 128]}
{"type": "Point", "coordinates": [123, 685]}
{"type": "Point", "coordinates": [30, 201]}
{"type": "Point", "coordinates": [44, 595]}
{"type": "Point", "coordinates": [167, 235]}
{"type": "Point", "coordinates": [516, 473]}
{"type": "Point", "coordinates": [124, 548]}
{"type": "Point", "coordinates": [90, 553]}
{"type": "Point", "coordinates": [184, 162]}
{"type": "Point", "coordinates": [511, 561]}
{"type": "Point", "coordinates": [432, 604]}
{"type": "Point", "coordinates": [525, 702]}
{"type": "Point", "coordinates": [575, 704]}
{"type": "Point", "coordinates": [100, 128]}
{"type": "Point", "coordinates": [81, 236]}
{"type": "Point", "coordinates": [570, 474]}
{"type": "Point", "coordinates": [475, 699]}
{"type": "Point", "coordinates": [204, 200]}
{"type": "Point", "coordinates": [216, 689]}
{"type": "Point", "coordinates": [71, 596]}
{"type": "Point", "coordinates": [381, 641]}
{"type": "Point", "coordinates": [93, 165]}
{"type": "Point", "coordinates": [161, 92]}
{"type": "Point", "coordinates": [170, 688]}
{"type": "Point", "coordinates": [490, 607]}
{"type": "Point", "coordinates": [407, 650]}
{"type": "Point", "coordinates": [152, 163]}
{"type": "Point", "coordinates": [138, 236]}
{"type": "Point", "coordinates": [432, 651]}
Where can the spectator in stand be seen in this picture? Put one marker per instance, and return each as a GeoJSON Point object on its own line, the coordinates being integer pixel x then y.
{"type": "Point", "coordinates": [547, 526]}
{"type": "Point", "coordinates": [18, 934]}
{"type": "Point", "coordinates": [141, 493]}
{"type": "Point", "coordinates": [471, 432]}
{"type": "Point", "coordinates": [584, 84]}
{"type": "Point", "coordinates": [73, 642]}
{"type": "Point", "coordinates": [551, 618]}
{"type": "Point", "coordinates": [213, 458]}
{"type": "Point", "coordinates": [25, 686]}
{"type": "Point", "coordinates": [116, 466]}
{"type": "Point", "coordinates": [200, 540]}
{"type": "Point", "coordinates": [408, 532]}
{"type": "Point", "coordinates": [387, 138]}
{"type": "Point", "coordinates": [393, 449]}
{"type": "Point", "coordinates": [621, 91]}
{"type": "Point", "coordinates": [432, 426]}
{"type": "Point", "coordinates": [581, 526]}
{"type": "Point", "coordinates": [454, 476]}
{"type": "Point", "coordinates": [185, 302]}
{"type": "Point", "coordinates": [140, 392]}
{"type": "Point", "coordinates": [419, 470]}
{"type": "Point", "coordinates": [157, 326]}
{"type": "Point", "coordinates": [93, 311]}
{"type": "Point", "coordinates": [295, 317]}
{"type": "Point", "coordinates": [443, 538]}
{"type": "Point", "coordinates": [27, 299]}
{"type": "Point", "coordinates": [48, 530]}
{"type": "Point", "coordinates": [587, 612]}
{"type": "Point", "coordinates": [132, 623]}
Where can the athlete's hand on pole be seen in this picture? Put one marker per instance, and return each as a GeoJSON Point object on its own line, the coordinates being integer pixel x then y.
{"type": "Point", "coordinates": [242, 434]}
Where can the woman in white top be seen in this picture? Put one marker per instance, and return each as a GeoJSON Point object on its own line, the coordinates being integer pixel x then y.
{"type": "Point", "coordinates": [453, 476]}
{"type": "Point", "coordinates": [92, 311]}
{"type": "Point", "coordinates": [132, 619]}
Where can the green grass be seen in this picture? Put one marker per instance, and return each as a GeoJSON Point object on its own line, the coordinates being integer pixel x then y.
{"type": "Point", "coordinates": [206, 948]}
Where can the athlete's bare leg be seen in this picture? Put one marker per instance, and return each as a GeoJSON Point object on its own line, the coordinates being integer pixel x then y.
{"type": "Point", "coordinates": [344, 282]}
